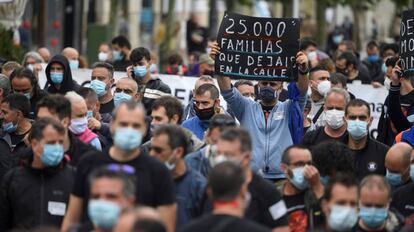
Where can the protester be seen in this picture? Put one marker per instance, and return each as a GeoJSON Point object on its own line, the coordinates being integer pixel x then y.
{"type": "Point", "coordinates": [59, 76]}
{"type": "Point", "coordinates": [227, 185]}
{"type": "Point", "coordinates": [24, 81]}
{"type": "Point", "coordinates": [308, 124]}
{"type": "Point", "coordinates": [331, 157]}
{"type": "Point", "coordinates": [16, 126]}
{"type": "Point", "coordinates": [33, 61]}
{"type": "Point", "coordinates": [37, 193]}
{"type": "Point", "coordinates": [266, 154]}
{"type": "Point", "coordinates": [73, 57]}
{"type": "Point", "coordinates": [125, 89]}
{"type": "Point", "coordinates": [347, 64]}
{"type": "Point", "coordinates": [79, 121]}
{"type": "Point", "coordinates": [340, 203]}
{"type": "Point", "coordinates": [189, 110]}
{"type": "Point", "coordinates": [44, 53]}
{"type": "Point", "coordinates": [176, 65]}
{"type": "Point", "coordinates": [338, 80]}
{"type": "Point", "coordinates": [375, 213]}
{"type": "Point", "coordinates": [206, 105]}
{"type": "Point", "coordinates": [5, 87]}
{"type": "Point", "coordinates": [105, 53]}
{"type": "Point", "coordinates": [169, 144]}
{"type": "Point", "coordinates": [8, 67]}
{"type": "Point", "coordinates": [196, 35]}
{"type": "Point", "coordinates": [112, 190]}
{"type": "Point", "coordinates": [205, 65]}
{"type": "Point", "coordinates": [402, 198]}
{"type": "Point", "coordinates": [374, 64]}
{"type": "Point", "coordinates": [203, 159]}
{"type": "Point", "coordinates": [333, 117]}
{"type": "Point", "coordinates": [102, 79]}
{"type": "Point", "coordinates": [246, 89]}
{"type": "Point", "coordinates": [151, 87]}
{"type": "Point", "coordinates": [153, 181]}
{"type": "Point", "coordinates": [266, 205]}
{"type": "Point", "coordinates": [303, 190]}
{"type": "Point", "coordinates": [121, 49]}
{"type": "Point", "coordinates": [369, 153]}
{"type": "Point", "coordinates": [397, 162]}
{"type": "Point", "coordinates": [59, 108]}
{"type": "Point", "coordinates": [319, 84]}
{"type": "Point", "coordinates": [168, 110]}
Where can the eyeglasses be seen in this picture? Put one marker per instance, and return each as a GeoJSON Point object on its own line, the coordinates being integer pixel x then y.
{"type": "Point", "coordinates": [124, 168]}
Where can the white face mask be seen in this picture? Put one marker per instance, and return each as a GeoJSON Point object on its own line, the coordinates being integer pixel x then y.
{"type": "Point", "coordinates": [78, 125]}
{"type": "Point", "coordinates": [387, 83]}
{"type": "Point", "coordinates": [102, 56]}
{"type": "Point", "coordinates": [169, 165]}
{"type": "Point", "coordinates": [334, 118]}
{"type": "Point", "coordinates": [324, 87]}
{"type": "Point", "coordinates": [312, 56]}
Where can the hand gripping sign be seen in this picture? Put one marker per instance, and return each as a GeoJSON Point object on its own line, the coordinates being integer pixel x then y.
{"type": "Point", "coordinates": [258, 48]}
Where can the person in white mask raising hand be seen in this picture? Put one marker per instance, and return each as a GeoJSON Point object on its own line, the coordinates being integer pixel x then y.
{"type": "Point", "coordinates": [319, 85]}
{"type": "Point", "coordinates": [333, 115]}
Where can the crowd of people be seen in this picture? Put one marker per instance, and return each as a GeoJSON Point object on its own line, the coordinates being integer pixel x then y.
{"type": "Point", "coordinates": [126, 155]}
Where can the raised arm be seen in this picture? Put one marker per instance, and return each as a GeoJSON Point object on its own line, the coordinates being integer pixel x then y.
{"type": "Point", "coordinates": [303, 80]}
{"type": "Point", "coordinates": [223, 82]}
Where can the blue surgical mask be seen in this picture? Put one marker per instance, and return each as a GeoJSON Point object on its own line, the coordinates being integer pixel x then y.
{"type": "Point", "coordinates": [342, 218]}
{"type": "Point", "coordinates": [127, 138]}
{"type": "Point", "coordinates": [99, 87]}
{"type": "Point", "coordinates": [140, 71]}
{"type": "Point", "coordinates": [393, 178]}
{"type": "Point", "coordinates": [337, 39]}
{"type": "Point", "coordinates": [9, 127]}
{"type": "Point", "coordinates": [153, 68]}
{"type": "Point", "coordinates": [52, 154]}
{"type": "Point", "coordinates": [384, 68]}
{"type": "Point", "coordinates": [373, 217]}
{"type": "Point", "coordinates": [56, 78]}
{"type": "Point", "coordinates": [117, 55]}
{"type": "Point", "coordinates": [298, 180]}
{"type": "Point", "coordinates": [27, 95]}
{"type": "Point", "coordinates": [103, 214]}
{"type": "Point", "coordinates": [121, 97]}
{"type": "Point", "coordinates": [267, 94]}
{"type": "Point", "coordinates": [324, 180]}
{"type": "Point", "coordinates": [412, 172]}
{"type": "Point", "coordinates": [373, 58]}
{"type": "Point", "coordinates": [89, 114]}
{"type": "Point", "coordinates": [74, 64]}
{"type": "Point", "coordinates": [357, 129]}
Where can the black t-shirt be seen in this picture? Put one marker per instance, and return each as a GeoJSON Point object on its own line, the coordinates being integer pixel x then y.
{"type": "Point", "coordinates": [319, 135]}
{"type": "Point", "coordinates": [403, 199]}
{"type": "Point", "coordinates": [107, 107]}
{"type": "Point", "coordinates": [223, 223]}
{"type": "Point", "coordinates": [15, 139]}
{"type": "Point", "coordinates": [370, 159]}
{"type": "Point", "coordinates": [266, 207]}
{"type": "Point", "coordinates": [299, 215]}
{"type": "Point", "coordinates": [358, 228]}
{"type": "Point", "coordinates": [154, 184]}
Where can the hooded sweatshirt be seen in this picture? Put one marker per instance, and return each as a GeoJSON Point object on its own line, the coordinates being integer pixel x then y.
{"type": "Point", "coordinates": [68, 84]}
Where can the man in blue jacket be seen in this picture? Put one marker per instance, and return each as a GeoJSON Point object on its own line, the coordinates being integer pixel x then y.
{"type": "Point", "coordinates": [266, 120]}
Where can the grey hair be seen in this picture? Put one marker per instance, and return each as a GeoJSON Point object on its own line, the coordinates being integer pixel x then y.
{"type": "Point", "coordinates": [340, 91]}
{"type": "Point", "coordinates": [375, 182]}
{"type": "Point", "coordinates": [73, 97]}
{"type": "Point", "coordinates": [34, 55]}
{"type": "Point", "coordinates": [5, 84]}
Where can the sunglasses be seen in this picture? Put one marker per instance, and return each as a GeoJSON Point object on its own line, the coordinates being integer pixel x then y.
{"type": "Point", "coordinates": [123, 168]}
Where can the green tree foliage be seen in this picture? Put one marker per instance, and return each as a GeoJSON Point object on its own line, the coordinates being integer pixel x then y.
{"type": "Point", "coordinates": [8, 50]}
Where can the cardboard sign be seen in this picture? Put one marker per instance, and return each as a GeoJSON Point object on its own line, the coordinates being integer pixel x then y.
{"type": "Point", "coordinates": [257, 48]}
{"type": "Point", "coordinates": [407, 42]}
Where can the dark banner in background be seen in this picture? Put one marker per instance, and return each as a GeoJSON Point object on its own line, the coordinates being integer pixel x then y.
{"type": "Point", "coordinates": [257, 48]}
{"type": "Point", "coordinates": [407, 42]}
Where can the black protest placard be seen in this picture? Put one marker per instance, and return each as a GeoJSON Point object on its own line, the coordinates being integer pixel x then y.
{"type": "Point", "coordinates": [257, 48]}
{"type": "Point", "coordinates": [407, 42]}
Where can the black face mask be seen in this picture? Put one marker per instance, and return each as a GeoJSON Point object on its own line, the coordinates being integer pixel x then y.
{"type": "Point", "coordinates": [204, 114]}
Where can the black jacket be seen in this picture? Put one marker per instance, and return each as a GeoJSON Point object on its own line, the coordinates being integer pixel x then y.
{"type": "Point", "coordinates": [154, 89]}
{"type": "Point", "coordinates": [10, 157]}
{"type": "Point", "coordinates": [32, 197]}
{"type": "Point", "coordinates": [68, 84]}
{"type": "Point", "coordinates": [39, 94]}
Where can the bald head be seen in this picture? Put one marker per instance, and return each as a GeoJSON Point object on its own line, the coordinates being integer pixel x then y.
{"type": "Point", "coordinates": [128, 86]}
{"type": "Point", "coordinates": [70, 53]}
{"type": "Point", "coordinates": [44, 53]}
{"type": "Point", "coordinates": [398, 158]}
